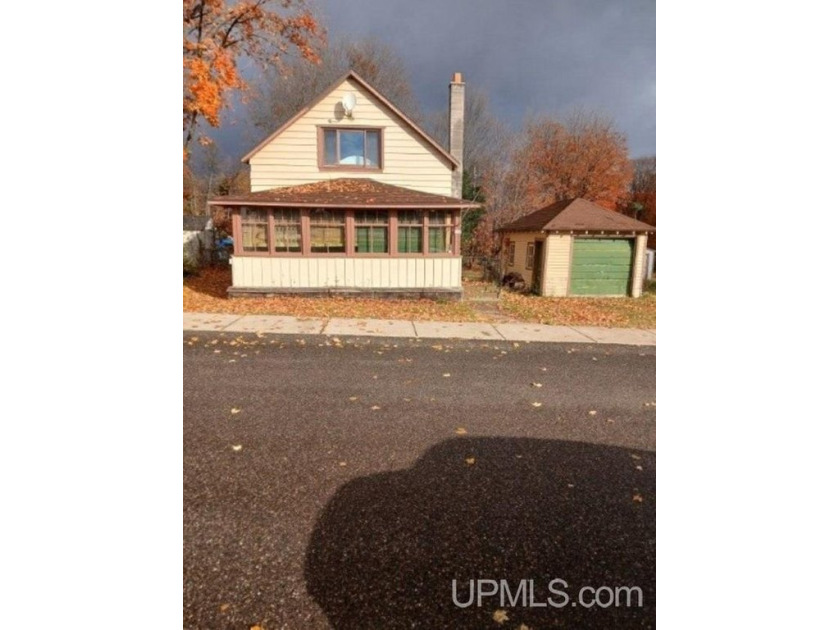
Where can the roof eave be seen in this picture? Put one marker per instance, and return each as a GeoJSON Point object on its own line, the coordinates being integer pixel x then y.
{"type": "Point", "coordinates": [351, 206]}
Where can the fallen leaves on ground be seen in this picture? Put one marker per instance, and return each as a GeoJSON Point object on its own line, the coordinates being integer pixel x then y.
{"type": "Point", "coordinates": [237, 447]}
{"type": "Point", "coordinates": [637, 498]}
{"type": "Point", "coordinates": [235, 410]}
{"type": "Point", "coordinates": [571, 311]}
{"type": "Point", "coordinates": [470, 461]}
{"type": "Point", "coordinates": [206, 292]}
{"type": "Point", "coordinates": [460, 431]}
{"type": "Point", "coordinates": [500, 616]}
{"type": "Point", "coordinates": [536, 404]}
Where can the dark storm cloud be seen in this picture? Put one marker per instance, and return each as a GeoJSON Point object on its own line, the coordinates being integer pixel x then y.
{"type": "Point", "coordinates": [529, 56]}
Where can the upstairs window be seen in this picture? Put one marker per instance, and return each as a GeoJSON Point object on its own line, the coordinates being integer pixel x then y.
{"type": "Point", "coordinates": [410, 231]}
{"type": "Point", "coordinates": [326, 231]}
{"type": "Point", "coordinates": [254, 230]}
{"type": "Point", "coordinates": [351, 148]}
{"type": "Point", "coordinates": [372, 232]}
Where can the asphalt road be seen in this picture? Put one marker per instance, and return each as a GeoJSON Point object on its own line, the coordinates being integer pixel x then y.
{"type": "Point", "coordinates": [347, 483]}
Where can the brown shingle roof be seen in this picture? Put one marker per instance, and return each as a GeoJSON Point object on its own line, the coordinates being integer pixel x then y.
{"type": "Point", "coordinates": [348, 192]}
{"type": "Point", "coordinates": [576, 215]}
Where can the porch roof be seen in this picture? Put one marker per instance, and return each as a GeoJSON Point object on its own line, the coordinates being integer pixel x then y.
{"type": "Point", "coordinates": [348, 192]}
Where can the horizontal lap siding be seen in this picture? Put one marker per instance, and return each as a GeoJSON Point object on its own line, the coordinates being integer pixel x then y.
{"type": "Point", "coordinates": [356, 273]}
{"type": "Point", "coordinates": [639, 265]}
{"type": "Point", "coordinates": [557, 259]}
{"type": "Point", "coordinates": [521, 239]}
{"type": "Point", "coordinates": [292, 157]}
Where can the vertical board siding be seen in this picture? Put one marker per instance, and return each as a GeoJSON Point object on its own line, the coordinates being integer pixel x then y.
{"type": "Point", "coordinates": [333, 272]}
{"type": "Point", "coordinates": [292, 157]}
{"type": "Point", "coordinates": [557, 257]}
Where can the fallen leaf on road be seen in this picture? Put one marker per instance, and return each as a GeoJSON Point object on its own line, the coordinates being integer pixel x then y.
{"type": "Point", "coordinates": [543, 369]}
{"type": "Point", "coordinates": [536, 384]}
{"type": "Point", "coordinates": [446, 375]}
{"type": "Point", "coordinates": [235, 410]}
{"type": "Point", "coordinates": [522, 626]}
{"type": "Point", "coordinates": [354, 398]}
{"type": "Point", "coordinates": [634, 456]}
{"type": "Point", "coordinates": [639, 468]}
{"type": "Point", "coordinates": [237, 447]}
{"type": "Point", "coordinates": [637, 498]}
{"type": "Point", "coordinates": [500, 616]}
{"type": "Point", "coordinates": [536, 404]}
{"type": "Point", "coordinates": [470, 461]}
{"type": "Point", "coordinates": [460, 431]}
{"type": "Point", "coordinates": [375, 407]}
{"type": "Point", "coordinates": [224, 607]}
{"type": "Point", "coordinates": [593, 413]}
{"type": "Point", "coordinates": [611, 420]}
{"type": "Point", "coordinates": [342, 463]}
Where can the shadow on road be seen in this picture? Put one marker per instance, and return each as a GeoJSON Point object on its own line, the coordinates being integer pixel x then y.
{"type": "Point", "coordinates": [387, 547]}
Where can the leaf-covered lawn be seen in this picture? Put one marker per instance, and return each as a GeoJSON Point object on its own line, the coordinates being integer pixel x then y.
{"type": "Point", "coordinates": [207, 293]}
{"type": "Point", "coordinates": [609, 312]}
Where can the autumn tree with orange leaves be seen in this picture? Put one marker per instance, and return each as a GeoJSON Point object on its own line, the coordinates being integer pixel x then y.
{"type": "Point", "coordinates": [582, 156]}
{"type": "Point", "coordinates": [218, 33]}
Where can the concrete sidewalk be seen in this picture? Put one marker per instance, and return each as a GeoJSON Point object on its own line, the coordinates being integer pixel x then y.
{"type": "Point", "coordinates": [335, 326]}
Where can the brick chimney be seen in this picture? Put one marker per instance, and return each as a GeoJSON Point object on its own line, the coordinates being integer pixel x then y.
{"type": "Point", "coordinates": [456, 131]}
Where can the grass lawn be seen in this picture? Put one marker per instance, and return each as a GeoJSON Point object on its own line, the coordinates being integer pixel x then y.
{"type": "Point", "coordinates": [206, 292]}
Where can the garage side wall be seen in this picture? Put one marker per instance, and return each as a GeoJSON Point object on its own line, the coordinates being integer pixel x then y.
{"type": "Point", "coordinates": [557, 265]}
{"type": "Point", "coordinates": [520, 240]}
{"type": "Point", "coordinates": [639, 265]}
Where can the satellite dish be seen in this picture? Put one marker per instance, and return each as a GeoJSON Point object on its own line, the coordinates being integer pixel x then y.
{"type": "Point", "coordinates": [348, 102]}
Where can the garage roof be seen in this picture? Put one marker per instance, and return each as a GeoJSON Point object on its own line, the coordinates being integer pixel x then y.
{"type": "Point", "coordinates": [576, 215]}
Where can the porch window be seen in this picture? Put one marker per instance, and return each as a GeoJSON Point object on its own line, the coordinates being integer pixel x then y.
{"type": "Point", "coordinates": [254, 230]}
{"type": "Point", "coordinates": [353, 148]}
{"type": "Point", "coordinates": [511, 253]}
{"type": "Point", "coordinates": [372, 232]}
{"type": "Point", "coordinates": [410, 231]}
{"type": "Point", "coordinates": [287, 231]}
{"type": "Point", "coordinates": [441, 228]}
{"type": "Point", "coordinates": [326, 231]}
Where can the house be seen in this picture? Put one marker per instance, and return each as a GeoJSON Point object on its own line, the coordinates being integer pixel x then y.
{"type": "Point", "coordinates": [350, 197]}
{"type": "Point", "coordinates": [576, 247]}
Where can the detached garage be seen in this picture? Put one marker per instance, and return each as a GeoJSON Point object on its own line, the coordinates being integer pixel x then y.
{"type": "Point", "coordinates": [576, 247]}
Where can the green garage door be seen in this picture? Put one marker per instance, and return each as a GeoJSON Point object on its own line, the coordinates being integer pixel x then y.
{"type": "Point", "coordinates": [601, 266]}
